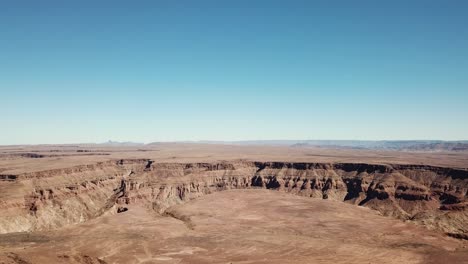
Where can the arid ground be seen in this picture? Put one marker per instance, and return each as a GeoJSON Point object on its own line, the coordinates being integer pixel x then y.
{"type": "Point", "coordinates": [194, 203]}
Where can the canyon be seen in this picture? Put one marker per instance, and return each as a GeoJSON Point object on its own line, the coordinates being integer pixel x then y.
{"type": "Point", "coordinates": [188, 189]}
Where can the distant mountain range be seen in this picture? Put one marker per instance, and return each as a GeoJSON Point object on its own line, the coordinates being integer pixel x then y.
{"type": "Point", "coordinates": [407, 145]}
{"type": "Point", "coordinates": [398, 145]}
{"type": "Point", "coordinates": [122, 144]}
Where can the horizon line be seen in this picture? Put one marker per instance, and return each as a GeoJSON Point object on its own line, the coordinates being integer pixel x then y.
{"type": "Point", "coordinates": [109, 142]}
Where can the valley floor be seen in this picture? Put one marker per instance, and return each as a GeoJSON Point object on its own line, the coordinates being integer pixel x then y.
{"type": "Point", "coordinates": [238, 226]}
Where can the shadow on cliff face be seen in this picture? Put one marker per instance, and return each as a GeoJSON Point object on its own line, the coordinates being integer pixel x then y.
{"type": "Point", "coordinates": [401, 191]}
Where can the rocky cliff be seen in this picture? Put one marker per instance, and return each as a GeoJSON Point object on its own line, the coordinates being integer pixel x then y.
{"type": "Point", "coordinates": [432, 196]}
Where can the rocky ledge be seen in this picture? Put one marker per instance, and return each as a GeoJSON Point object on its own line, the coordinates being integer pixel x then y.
{"type": "Point", "coordinates": [435, 197]}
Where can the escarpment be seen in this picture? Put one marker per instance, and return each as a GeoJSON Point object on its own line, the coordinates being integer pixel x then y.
{"type": "Point", "coordinates": [435, 197]}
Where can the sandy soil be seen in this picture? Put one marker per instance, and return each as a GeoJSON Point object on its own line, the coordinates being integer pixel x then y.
{"type": "Point", "coordinates": [239, 226]}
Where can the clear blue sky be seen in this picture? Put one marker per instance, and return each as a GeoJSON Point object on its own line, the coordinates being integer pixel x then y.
{"type": "Point", "coordinates": [81, 71]}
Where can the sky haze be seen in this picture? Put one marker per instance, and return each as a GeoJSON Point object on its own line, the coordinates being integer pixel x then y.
{"type": "Point", "coordinates": [90, 71]}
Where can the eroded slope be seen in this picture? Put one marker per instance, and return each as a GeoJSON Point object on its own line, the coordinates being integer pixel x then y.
{"type": "Point", "coordinates": [238, 226]}
{"type": "Point", "coordinates": [433, 196]}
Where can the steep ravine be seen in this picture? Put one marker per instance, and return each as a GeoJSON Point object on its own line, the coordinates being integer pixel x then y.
{"type": "Point", "coordinates": [435, 197]}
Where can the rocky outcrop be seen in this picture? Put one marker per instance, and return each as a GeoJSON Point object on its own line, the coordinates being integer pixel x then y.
{"type": "Point", "coordinates": [433, 196]}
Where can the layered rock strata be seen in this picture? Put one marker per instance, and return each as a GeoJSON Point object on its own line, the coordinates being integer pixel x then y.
{"type": "Point", "coordinates": [432, 196]}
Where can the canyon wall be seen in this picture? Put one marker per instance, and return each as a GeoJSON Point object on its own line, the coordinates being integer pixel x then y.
{"type": "Point", "coordinates": [435, 197]}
